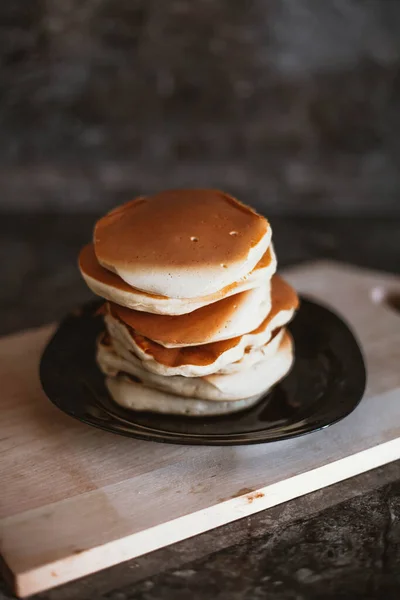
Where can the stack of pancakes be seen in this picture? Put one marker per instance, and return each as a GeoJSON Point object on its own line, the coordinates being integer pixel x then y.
{"type": "Point", "coordinates": [195, 315]}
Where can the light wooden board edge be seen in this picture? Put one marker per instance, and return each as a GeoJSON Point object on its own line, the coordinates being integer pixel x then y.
{"type": "Point", "coordinates": [132, 546]}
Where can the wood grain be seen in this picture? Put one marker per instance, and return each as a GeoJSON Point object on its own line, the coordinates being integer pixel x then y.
{"type": "Point", "coordinates": [75, 499]}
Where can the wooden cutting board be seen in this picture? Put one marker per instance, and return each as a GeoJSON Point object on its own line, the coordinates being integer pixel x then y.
{"type": "Point", "coordinates": [75, 500]}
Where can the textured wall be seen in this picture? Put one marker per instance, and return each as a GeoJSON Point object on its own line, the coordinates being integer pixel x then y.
{"type": "Point", "coordinates": [292, 104]}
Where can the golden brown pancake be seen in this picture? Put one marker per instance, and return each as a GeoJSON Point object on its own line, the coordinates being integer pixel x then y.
{"type": "Point", "coordinates": [111, 287]}
{"type": "Point", "coordinates": [225, 319]}
{"type": "Point", "coordinates": [181, 243]}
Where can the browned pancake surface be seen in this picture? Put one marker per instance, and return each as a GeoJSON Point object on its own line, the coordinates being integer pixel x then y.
{"type": "Point", "coordinates": [178, 229]}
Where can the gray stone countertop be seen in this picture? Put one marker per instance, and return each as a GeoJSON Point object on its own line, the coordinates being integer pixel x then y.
{"type": "Point", "coordinates": [341, 542]}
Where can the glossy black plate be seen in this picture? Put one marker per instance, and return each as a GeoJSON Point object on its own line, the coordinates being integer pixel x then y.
{"type": "Point", "coordinates": [326, 384]}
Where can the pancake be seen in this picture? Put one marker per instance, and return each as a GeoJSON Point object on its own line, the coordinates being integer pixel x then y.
{"type": "Point", "coordinates": [249, 357]}
{"type": "Point", "coordinates": [228, 318]}
{"type": "Point", "coordinates": [181, 243]}
{"type": "Point", "coordinates": [245, 383]}
{"type": "Point", "coordinates": [113, 288]}
{"type": "Point", "coordinates": [197, 361]}
{"type": "Point", "coordinates": [134, 396]}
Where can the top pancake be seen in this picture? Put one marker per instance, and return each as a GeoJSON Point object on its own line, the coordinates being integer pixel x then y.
{"type": "Point", "coordinates": [181, 243]}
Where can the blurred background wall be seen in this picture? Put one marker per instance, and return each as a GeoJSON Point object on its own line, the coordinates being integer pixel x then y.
{"type": "Point", "coordinates": [293, 105]}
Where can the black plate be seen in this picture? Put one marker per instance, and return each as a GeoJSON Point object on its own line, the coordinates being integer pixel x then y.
{"type": "Point", "coordinates": [326, 384]}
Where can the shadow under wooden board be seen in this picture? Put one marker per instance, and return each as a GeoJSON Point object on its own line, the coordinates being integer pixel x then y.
{"type": "Point", "coordinates": [75, 499]}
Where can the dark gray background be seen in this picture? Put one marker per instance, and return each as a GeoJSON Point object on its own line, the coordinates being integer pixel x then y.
{"type": "Point", "coordinates": [293, 105]}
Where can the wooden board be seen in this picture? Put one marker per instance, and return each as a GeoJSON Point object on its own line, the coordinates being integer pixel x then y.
{"type": "Point", "coordinates": [75, 500]}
